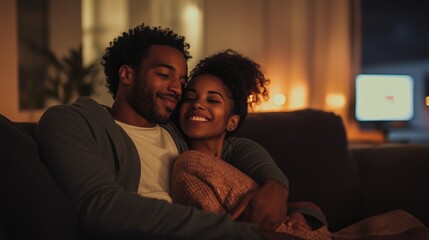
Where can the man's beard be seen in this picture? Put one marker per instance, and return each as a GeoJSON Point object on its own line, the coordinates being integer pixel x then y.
{"type": "Point", "coordinates": [143, 102]}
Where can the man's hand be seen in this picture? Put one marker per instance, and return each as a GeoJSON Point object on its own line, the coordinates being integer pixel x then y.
{"type": "Point", "coordinates": [271, 235]}
{"type": "Point", "coordinates": [265, 206]}
{"type": "Point", "coordinates": [296, 220]}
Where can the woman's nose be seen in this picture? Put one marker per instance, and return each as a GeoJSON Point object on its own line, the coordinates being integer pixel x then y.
{"type": "Point", "coordinates": [198, 105]}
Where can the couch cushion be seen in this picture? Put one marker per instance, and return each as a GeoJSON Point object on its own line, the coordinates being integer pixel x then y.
{"type": "Point", "coordinates": [32, 207]}
{"type": "Point", "coordinates": [310, 146]}
{"type": "Point", "coordinates": [395, 176]}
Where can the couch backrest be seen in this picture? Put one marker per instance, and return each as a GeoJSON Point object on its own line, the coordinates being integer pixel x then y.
{"type": "Point", "coordinates": [310, 146]}
{"type": "Point", "coordinates": [27, 127]}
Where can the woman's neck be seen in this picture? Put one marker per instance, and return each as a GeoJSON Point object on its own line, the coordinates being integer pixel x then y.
{"type": "Point", "coordinates": [209, 146]}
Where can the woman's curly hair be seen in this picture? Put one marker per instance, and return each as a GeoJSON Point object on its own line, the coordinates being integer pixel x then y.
{"type": "Point", "coordinates": [242, 76]}
{"type": "Point", "coordinates": [131, 48]}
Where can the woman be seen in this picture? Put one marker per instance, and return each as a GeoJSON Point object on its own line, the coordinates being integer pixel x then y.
{"type": "Point", "coordinates": [214, 105]}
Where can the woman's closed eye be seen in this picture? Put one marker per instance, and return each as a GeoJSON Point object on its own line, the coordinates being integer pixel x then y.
{"type": "Point", "coordinates": [213, 101]}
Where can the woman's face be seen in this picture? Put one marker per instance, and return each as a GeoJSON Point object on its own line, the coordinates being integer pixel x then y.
{"type": "Point", "coordinates": [206, 110]}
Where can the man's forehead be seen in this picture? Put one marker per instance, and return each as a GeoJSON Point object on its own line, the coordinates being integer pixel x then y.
{"type": "Point", "coordinates": [166, 56]}
{"type": "Point", "coordinates": [163, 51]}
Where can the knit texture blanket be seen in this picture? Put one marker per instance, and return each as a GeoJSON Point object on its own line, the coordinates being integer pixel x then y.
{"type": "Point", "coordinates": [211, 184]}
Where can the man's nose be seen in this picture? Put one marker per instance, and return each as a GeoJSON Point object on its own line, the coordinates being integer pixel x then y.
{"type": "Point", "coordinates": [175, 86]}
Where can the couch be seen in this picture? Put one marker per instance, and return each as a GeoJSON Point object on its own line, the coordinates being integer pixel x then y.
{"type": "Point", "coordinates": [310, 146]}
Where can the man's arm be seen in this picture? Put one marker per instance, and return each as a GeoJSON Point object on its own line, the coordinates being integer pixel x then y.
{"type": "Point", "coordinates": [266, 206]}
{"type": "Point", "coordinates": [78, 156]}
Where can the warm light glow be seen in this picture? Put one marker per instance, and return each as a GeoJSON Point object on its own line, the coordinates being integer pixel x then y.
{"type": "Point", "coordinates": [427, 100]}
{"type": "Point", "coordinates": [99, 27]}
{"type": "Point", "coordinates": [191, 13]}
{"type": "Point", "coordinates": [193, 30]}
{"type": "Point", "coordinates": [279, 99]}
{"type": "Point", "coordinates": [275, 103]}
{"type": "Point", "coordinates": [335, 100]}
{"type": "Point", "coordinates": [298, 97]}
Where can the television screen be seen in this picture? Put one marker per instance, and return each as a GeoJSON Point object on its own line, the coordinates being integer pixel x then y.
{"type": "Point", "coordinates": [384, 97]}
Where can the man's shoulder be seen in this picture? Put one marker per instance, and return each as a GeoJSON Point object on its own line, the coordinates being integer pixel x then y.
{"type": "Point", "coordinates": [84, 109]}
{"type": "Point", "coordinates": [83, 104]}
{"type": "Point", "coordinates": [85, 116]}
{"type": "Point", "coordinates": [88, 104]}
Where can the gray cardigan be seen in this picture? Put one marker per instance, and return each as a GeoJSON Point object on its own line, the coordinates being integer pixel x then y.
{"type": "Point", "coordinates": [97, 166]}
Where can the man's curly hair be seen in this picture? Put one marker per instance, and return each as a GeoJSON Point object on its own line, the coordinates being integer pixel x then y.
{"type": "Point", "coordinates": [131, 48]}
{"type": "Point", "coordinates": [242, 76]}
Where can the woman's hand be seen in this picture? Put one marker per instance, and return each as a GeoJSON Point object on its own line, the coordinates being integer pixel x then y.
{"type": "Point", "coordinates": [265, 206]}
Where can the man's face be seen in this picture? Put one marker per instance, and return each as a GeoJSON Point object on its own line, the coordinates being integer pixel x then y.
{"type": "Point", "coordinates": [158, 84]}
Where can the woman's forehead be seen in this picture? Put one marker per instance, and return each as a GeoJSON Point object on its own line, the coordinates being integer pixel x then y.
{"type": "Point", "coordinates": [207, 81]}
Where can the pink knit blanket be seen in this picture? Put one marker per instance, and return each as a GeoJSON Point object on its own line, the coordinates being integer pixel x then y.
{"type": "Point", "coordinates": [210, 184]}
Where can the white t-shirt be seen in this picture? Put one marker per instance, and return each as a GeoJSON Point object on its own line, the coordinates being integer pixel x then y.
{"type": "Point", "coordinates": [157, 152]}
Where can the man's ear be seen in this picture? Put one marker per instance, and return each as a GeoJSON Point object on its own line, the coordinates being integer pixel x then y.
{"type": "Point", "coordinates": [233, 123]}
{"type": "Point", "coordinates": [126, 74]}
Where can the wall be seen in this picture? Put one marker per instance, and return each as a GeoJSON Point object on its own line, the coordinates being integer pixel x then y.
{"type": "Point", "coordinates": [240, 27]}
{"type": "Point", "coordinates": [303, 47]}
{"type": "Point", "coordinates": [278, 34]}
{"type": "Point", "coordinates": [66, 26]}
{"type": "Point", "coordinates": [65, 32]}
{"type": "Point", "coordinates": [8, 59]}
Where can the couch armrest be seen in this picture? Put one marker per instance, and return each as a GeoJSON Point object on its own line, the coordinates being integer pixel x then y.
{"type": "Point", "coordinates": [31, 204]}
{"type": "Point", "coordinates": [394, 176]}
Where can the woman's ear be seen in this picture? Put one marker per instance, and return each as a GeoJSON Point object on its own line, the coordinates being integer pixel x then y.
{"type": "Point", "coordinates": [233, 123]}
{"type": "Point", "coordinates": [126, 74]}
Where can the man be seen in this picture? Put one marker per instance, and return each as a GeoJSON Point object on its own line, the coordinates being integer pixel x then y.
{"type": "Point", "coordinates": [114, 164]}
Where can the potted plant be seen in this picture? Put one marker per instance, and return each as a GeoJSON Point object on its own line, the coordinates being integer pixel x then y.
{"type": "Point", "coordinates": [68, 78]}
